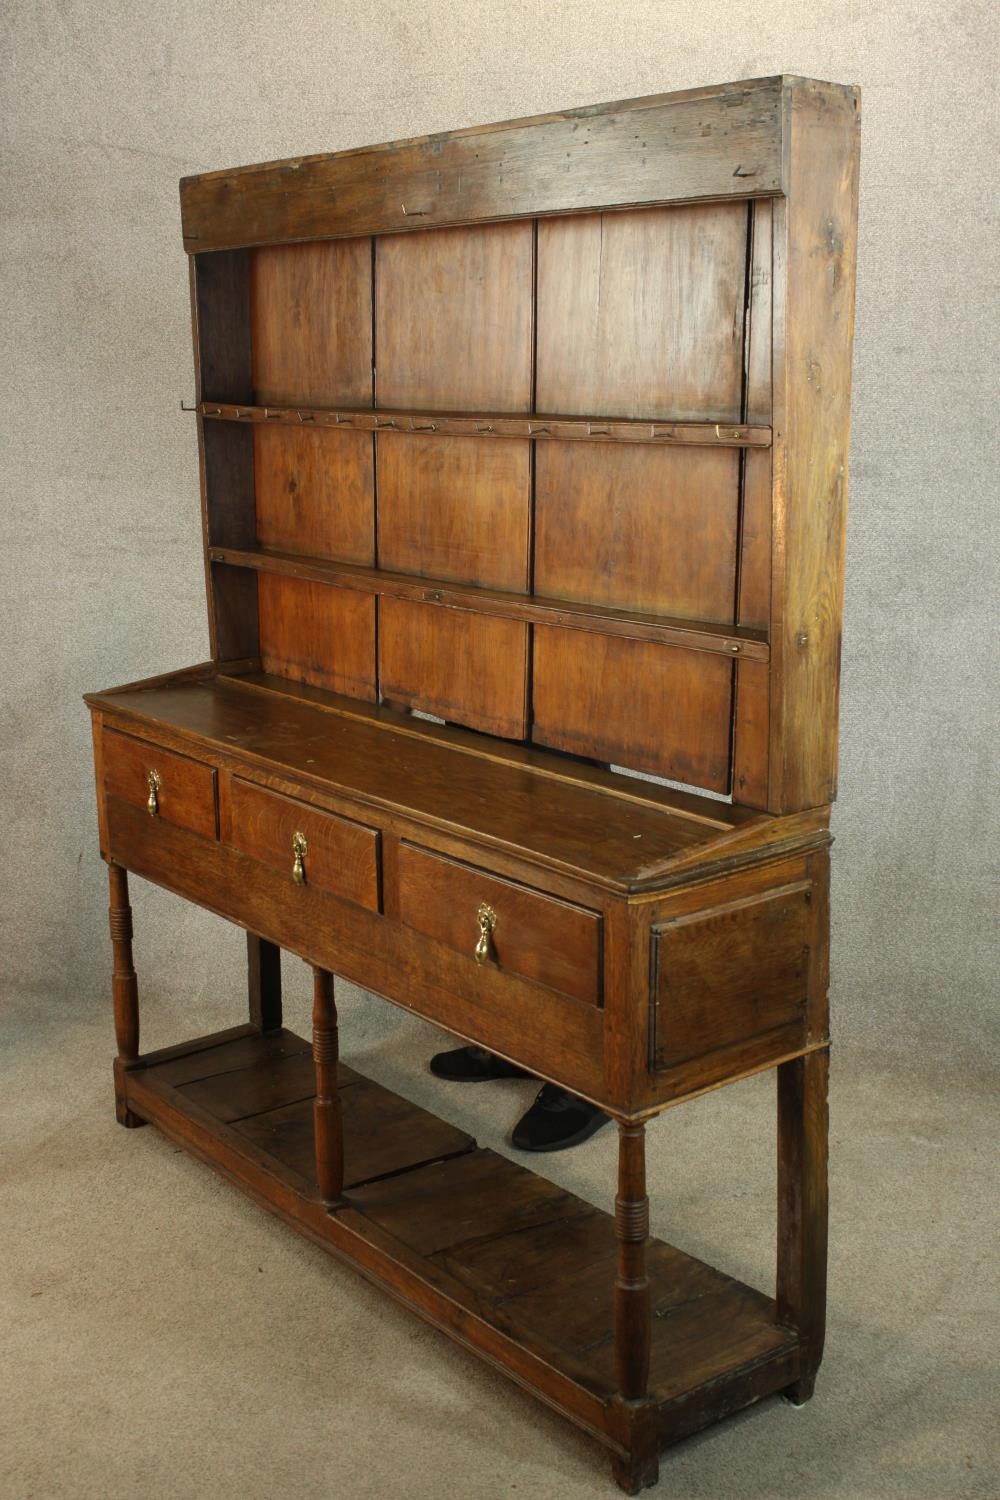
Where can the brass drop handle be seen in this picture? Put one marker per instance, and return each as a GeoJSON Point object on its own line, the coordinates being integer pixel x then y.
{"type": "Point", "coordinates": [487, 918]}
{"type": "Point", "coordinates": [299, 850]}
{"type": "Point", "coordinates": [154, 782]}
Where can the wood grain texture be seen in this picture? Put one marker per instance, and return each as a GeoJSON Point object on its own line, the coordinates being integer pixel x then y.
{"type": "Point", "coordinates": [648, 707]}
{"type": "Point", "coordinates": [220, 286]}
{"type": "Point", "coordinates": [316, 634]}
{"type": "Point", "coordinates": [455, 508]}
{"type": "Point", "coordinates": [803, 1208]}
{"type": "Point", "coordinates": [124, 992]}
{"type": "Point", "coordinates": [726, 974]}
{"type": "Point", "coordinates": [186, 792]}
{"type": "Point", "coordinates": [490, 425]}
{"type": "Point", "coordinates": [220, 327]}
{"type": "Point", "coordinates": [751, 719]}
{"type": "Point", "coordinates": [342, 855]}
{"type": "Point", "coordinates": [311, 322]}
{"type": "Point", "coordinates": [638, 528]}
{"type": "Point", "coordinates": [559, 815]}
{"type": "Point", "coordinates": [268, 1099]}
{"type": "Point", "coordinates": [714, 143]}
{"type": "Point", "coordinates": [636, 625]}
{"type": "Point", "coordinates": [263, 983]}
{"type": "Point", "coordinates": [641, 314]}
{"type": "Point", "coordinates": [454, 319]}
{"type": "Point", "coordinates": [505, 1012]}
{"type": "Point", "coordinates": [124, 984]}
{"type": "Point", "coordinates": [632, 1292]}
{"type": "Point", "coordinates": [549, 941]}
{"type": "Point", "coordinates": [815, 246]}
{"type": "Point", "coordinates": [548, 1319]}
{"type": "Point", "coordinates": [466, 668]}
{"type": "Point", "coordinates": [750, 733]}
{"type": "Point", "coordinates": [328, 1124]}
{"type": "Point", "coordinates": [315, 492]}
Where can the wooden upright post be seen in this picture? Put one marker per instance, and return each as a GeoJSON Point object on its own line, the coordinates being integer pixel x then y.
{"type": "Point", "coordinates": [802, 1209]}
{"type": "Point", "coordinates": [124, 989]}
{"type": "Point", "coordinates": [638, 1466]}
{"type": "Point", "coordinates": [327, 1123]}
{"type": "Point", "coordinates": [631, 1283]}
{"type": "Point", "coordinates": [264, 983]}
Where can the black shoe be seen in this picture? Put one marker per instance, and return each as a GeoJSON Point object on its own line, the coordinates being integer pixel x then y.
{"type": "Point", "coordinates": [556, 1121]}
{"type": "Point", "coordinates": [473, 1065]}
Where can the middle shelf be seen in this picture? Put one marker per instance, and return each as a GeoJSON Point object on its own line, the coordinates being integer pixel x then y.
{"type": "Point", "coordinates": [741, 642]}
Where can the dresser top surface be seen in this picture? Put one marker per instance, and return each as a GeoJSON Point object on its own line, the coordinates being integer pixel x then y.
{"type": "Point", "coordinates": [582, 820]}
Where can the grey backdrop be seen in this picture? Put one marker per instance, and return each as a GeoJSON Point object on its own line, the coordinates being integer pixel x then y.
{"type": "Point", "coordinates": [106, 106]}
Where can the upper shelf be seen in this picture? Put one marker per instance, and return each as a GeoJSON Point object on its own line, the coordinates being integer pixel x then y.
{"type": "Point", "coordinates": [490, 424]}
{"type": "Point", "coordinates": [740, 642]}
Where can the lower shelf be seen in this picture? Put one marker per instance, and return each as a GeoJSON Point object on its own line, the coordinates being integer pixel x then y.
{"type": "Point", "coordinates": [508, 1264]}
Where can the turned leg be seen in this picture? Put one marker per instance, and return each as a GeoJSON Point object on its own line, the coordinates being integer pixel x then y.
{"type": "Point", "coordinates": [327, 1124]}
{"type": "Point", "coordinates": [631, 1283]}
{"type": "Point", "coordinates": [802, 1209]}
{"type": "Point", "coordinates": [264, 983]}
{"type": "Point", "coordinates": [639, 1466]}
{"type": "Point", "coordinates": [124, 990]}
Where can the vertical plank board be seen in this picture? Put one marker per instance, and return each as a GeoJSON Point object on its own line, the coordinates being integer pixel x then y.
{"type": "Point", "coordinates": [467, 668]}
{"type": "Point", "coordinates": [454, 316]}
{"type": "Point", "coordinates": [640, 528]}
{"type": "Point", "coordinates": [455, 508]}
{"type": "Point", "coordinates": [634, 703]}
{"type": "Point", "coordinates": [221, 282]}
{"type": "Point", "coordinates": [750, 733]}
{"type": "Point", "coordinates": [753, 605]}
{"type": "Point", "coordinates": [220, 318]}
{"type": "Point", "coordinates": [814, 259]}
{"type": "Point", "coordinates": [311, 317]}
{"type": "Point", "coordinates": [315, 491]}
{"type": "Point", "coordinates": [312, 632]}
{"type": "Point", "coordinates": [640, 313]}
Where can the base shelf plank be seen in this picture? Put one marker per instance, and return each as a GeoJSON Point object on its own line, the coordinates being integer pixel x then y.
{"type": "Point", "coordinates": [512, 1266]}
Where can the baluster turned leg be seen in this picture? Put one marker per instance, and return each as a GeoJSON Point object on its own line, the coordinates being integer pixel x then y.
{"type": "Point", "coordinates": [124, 990]}
{"type": "Point", "coordinates": [264, 983]}
{"type": "Point", "coordinates": [802, 1210]}
{"type": "Point", "coordinates": [631, 1283]}
{"type": "Point", "coordinates": [327, 1123]}
{"type": "Point", "coordinates": [639, 1467]}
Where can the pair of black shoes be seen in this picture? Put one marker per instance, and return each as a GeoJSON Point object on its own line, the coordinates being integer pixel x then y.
{"type": "Point", "coordinates": [556, 1120]}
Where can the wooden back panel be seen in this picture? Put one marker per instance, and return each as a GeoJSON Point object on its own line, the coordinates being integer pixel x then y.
{"type": "Point", "coordinates": [592, 422]}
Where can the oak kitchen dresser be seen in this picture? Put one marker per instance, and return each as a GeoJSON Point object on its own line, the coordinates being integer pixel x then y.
{"type": "Point", "coordinates": [523, 456]}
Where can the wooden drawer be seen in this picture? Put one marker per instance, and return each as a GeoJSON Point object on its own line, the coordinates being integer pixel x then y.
{"type": "Point", "coordinates": [340, 856]}
{"type": "Point", "coordinates": [185, 789]}
{"type": "Point", "coordinates": [536, 936]}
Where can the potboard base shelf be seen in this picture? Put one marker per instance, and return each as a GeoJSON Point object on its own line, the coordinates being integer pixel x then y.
{"type": "Point", "coordinates": [509, 1265]}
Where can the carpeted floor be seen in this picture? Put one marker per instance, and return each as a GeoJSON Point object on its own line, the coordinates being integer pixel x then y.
{"type": "Point", "coordinates": [164, 1338]}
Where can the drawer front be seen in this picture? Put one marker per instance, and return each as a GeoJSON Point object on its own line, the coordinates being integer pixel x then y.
{"type": "Point", "coordinates": [539, 937]}
{"type": "Point", "coordinates": [184, 789]}
{"type": "Point", "coordinates": [339, 856]}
